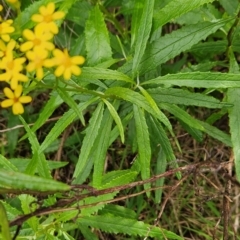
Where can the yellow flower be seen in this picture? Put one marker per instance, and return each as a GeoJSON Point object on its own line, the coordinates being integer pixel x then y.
{"type": "Point", "coordinates": [6, 29]}
{"type": "Point", "coordinates": [15, 100]}
{"type": "Point", "coordinates": [47, 17]}
{"type": "Point", "coordinates": [4, 49]}
{"type": "Point", "coordinates": [12, 69]}
{"type": "Point", "coordinates": [66, 65]}
{"type": "Point", "coordinates": [37, 61]}
{"type": "Point", "coordinates": [1, 7]}
{"type": "Point", "coordinates": [39, 39]}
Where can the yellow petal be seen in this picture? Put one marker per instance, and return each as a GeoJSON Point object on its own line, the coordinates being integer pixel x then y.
{"type": "Point", "coordinates": [42, 10]}
{"type": "Point", "coordinates": [7, 103]}
{"type": "Point", "coordinates": [18, 91]}
{"type": "Point", "coordinates": [25, 99]}
{"type": "Point", "coordinates": [30, 67]}
{"type": "Point", "coordinates": [14, 83]}
{"type": "Point", "coordinates": [37, 18]}
{"type": "Point", "coordinates": [49, 63]}
{"type": "Point", "coordinates": [50, 8]}
{"type": "Point", "coordinates": [26, 46]}
{"type": "Point", "coordinates": [5, 37]}
{"type": "Point", "coordinates": [2, 45]}
{"type": "Point", "coordinates": [17, 108]}
{"type": "Point", "coordinates": [5, 76]}
{"type": "Point", "coordinates": [76, 70]}
{"type": "Point", "coordinates": [58, 15]}
{"type": "Point", "coordinates": [28, 34]}
{"type": "Point", "coordinates": [39, 73]}
{"type": "Point", "coordinates": [77, 60]}
{"type": "Point", "coordinates": [52, 26]}
{"type": "Point", "coordinates": [59, 71]}
{"type": "Point", "coordinates": [67, 74]}
{"type": "Point", "coordinates": [8, 93]}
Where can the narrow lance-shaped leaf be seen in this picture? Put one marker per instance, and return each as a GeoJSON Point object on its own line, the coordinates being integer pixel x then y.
{"type": "Point", "coordinates": [20, 181]}
{"type": "Point", "coordinates": [97, 39]}
{"type": "Point", "coordinates": [100, 147]}
{"type": "Point", "coordinates": [48, 109]}
{"type": "Point", "coordinates": [198, 80]}
{"type": "Point", "coordinates": [91, 135]}
{"type": "Point", "coordinates": [4, 225]}
{"type": "Point", "coordinates": [161, 168]}
{"type": "Point", "coordinates": [143, 143]}
{"type": "Point", "coordinates": [43, 168]}
{"type": "Point", "coordinates": [184, 97]}
{"type": "Point", "coordinates": [5, 163]}
{"type": "Point", "coordinates": [163, 139]}
{"type": "Point", "coordinates": [183, 115]}
{"type": "Point", "coordinates": [136, 15]}
{"type": "Point", "coordinates": [115, 224]}
{"type": "Point", "coordinates": [139, 100]}
{"type": "Point", "coordinates": [62, 123]}
{"type": "Point", "coordinates": [104, 74]}
{"type": "Point", "coordinates": [233, 96]}
{"type": "Point", "coordinates": [71, 103]}
{"type": "Point", "coordinates": [216, 133]}
{"type": "Point", "coordinates": [150, 100]}
{"type": "Point", "coordinates": [143, 33]}
{"type": "Point", "coordinates": [116, 118]}
{"type": "Point", "coordinates": [173, 44]}
{"type": "Point", "coordinates": [175, 8]}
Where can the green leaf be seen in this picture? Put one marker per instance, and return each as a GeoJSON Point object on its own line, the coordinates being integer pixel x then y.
{"type": "Point", "coordinates": [163, 139]}
{"type": "Point", "coordinates": [171, 45]}
{"type": "Point", "coordinates": [20, 164]}
{"type": "Point", "coordinates": [43, 168]}
{"type": "Point", "coordinates": [21, 181]}
{"type": "Point", "coordinates": [199, 80]}
{"type": "Point", "coordinates": [143, 142]}
{"type": "Point", "coordinates": [184, 97]}
{"type": "Point", "coordinates": [144, 28]}
{"type": "Point", "coordinates": [100, 147]}
{"type": "Point", "coordinates": [216, 133]}
{"type": "Point", "coordinates": [115, 132]}
{"type": "Point", "coordinates": [87, 233]}
{"type": "Point", "coordinates": [161, 168]}
{"type": "Point", "coordinates": [150, 100]}
{"type": "Point", "coordinates": [139, 100]}
{"type": "Point", "coordinates": [118, 178]}
{"type": "Point", "coordinates": [6, 164]}
{"type": "Point", "coordinates": [79, 12]}
{"type": "Point", "coordinates": [62, 124]}
{"type": "Point", "coordinates": [234, 121]}
{"type": "Point", "coordinates": [71, 103]}
{"type": "Point", "coordinates": [54, 102]}
{"type": "Point", "coordinates": [4, 226]}
{"type": "Point", "coordinates": [174, 9]}
{"type": "Point", "coordinates": [230, 6]}
{"type": "Point", "coordinates": [116, 118]}
{"type": "Point", "coordinates": [97, 39]}
{"type": "Point", "coordinates": [137, 11]}
{"type": "Point", "coordinates": [119, 211]}
{"type": "Point", "coordinates": [183, 115]}
{"type": "Point", "coordinates": [204, 50]}
{"type": "Point", "coordinates": [96, 203]}
{"type": "Point", "coordinates": [91, 135]}
{"type": "Point", "coordinates": [113, 224]}
{"type": "Point", "coordinates": [28, 207]}
{"type": "Point", "coordinates": [104, 74]}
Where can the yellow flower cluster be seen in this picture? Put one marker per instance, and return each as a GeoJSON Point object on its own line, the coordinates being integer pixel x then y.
{"type": "Point", "coordinates": [36, 53]}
